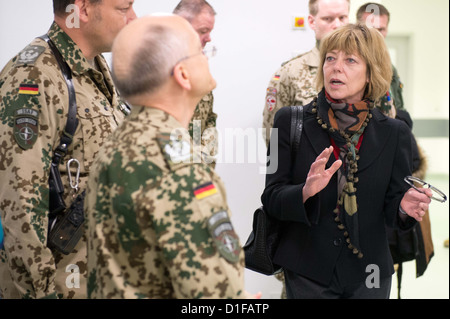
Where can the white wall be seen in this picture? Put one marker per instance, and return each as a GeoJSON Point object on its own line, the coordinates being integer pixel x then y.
{"type": "Point", "coordinates": [253, 38]}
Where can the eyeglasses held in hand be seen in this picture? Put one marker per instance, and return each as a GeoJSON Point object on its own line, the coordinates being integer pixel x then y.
{"type": "Point", "coordinates": [438, 195]}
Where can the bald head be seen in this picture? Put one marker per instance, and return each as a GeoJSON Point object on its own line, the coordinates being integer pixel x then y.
{"type": "Point", "coordinates": [146, 50]}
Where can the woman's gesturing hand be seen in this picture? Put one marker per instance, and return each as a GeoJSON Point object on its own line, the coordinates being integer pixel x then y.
{"type": "Point", "coordinates": [319, 177]}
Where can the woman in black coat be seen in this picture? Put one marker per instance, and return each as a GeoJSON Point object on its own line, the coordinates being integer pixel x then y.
{"type": "Point", "coordinates": [336, 192]}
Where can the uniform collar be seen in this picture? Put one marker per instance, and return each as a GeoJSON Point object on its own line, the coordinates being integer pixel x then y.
{"type": "Point", "coordinates": [70, 51]}
{"type": "Point", "coordinates": [159, 119]}
{"type": "Point", "coordinates": [312, 58]}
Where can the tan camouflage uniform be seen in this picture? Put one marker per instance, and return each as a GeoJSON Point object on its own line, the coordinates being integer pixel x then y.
{"type": "Point", "coordinates": [158, 224]}
{"type": "Point", "coordinates": [293, 84]}
{"type": "Point", "coordinates": [203, 129]}
{"type": "Point", "coordinates": [33, 112]}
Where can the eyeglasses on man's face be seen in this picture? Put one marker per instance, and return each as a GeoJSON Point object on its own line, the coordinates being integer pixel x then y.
{"type": "Point", "coordinates": [208, 53]}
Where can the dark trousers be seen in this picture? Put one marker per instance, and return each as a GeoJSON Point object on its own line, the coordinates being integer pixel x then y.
{"type": "Point", "coordinates": [299, 287]}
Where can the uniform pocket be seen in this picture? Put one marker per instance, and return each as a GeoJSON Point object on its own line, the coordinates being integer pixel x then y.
{"type": "Point", "coordinates": [95, 128]}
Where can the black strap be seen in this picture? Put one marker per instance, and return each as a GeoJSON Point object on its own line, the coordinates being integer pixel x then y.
{"type": "Point", "coordinates": [296, 127]}
{"type": "Point", "coordinates": [56, 188]}
{"type": "Point", "coordinates": [399, 279]}
{"type": "Point", "coordinates": [72, 121]}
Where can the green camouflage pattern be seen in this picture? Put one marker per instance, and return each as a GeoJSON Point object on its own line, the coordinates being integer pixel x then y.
{"type": "Point", "coordinates": [292, 84]}
{"type": "Point", "coordinates": [389, 108]}
{"type": "Point", "coordinates": [397, 90]}
{"type": "Point", "coordinates": [202, 129]}
{"type": "Point", "coordinates": [28, 269]}
{"type": "Point", "coordinates": [150, 234]}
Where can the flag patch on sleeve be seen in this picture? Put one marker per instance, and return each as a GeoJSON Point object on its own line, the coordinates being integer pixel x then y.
{"type": "Point", "coordinates": [205, 190]}
{"type": "Point", "coordinates": [29, 89]}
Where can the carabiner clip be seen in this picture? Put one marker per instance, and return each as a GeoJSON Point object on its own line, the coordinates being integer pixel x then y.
{"type": "Point", "coordinates": [74, 184]}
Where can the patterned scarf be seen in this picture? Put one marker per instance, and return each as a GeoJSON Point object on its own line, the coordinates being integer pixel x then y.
{"type": "Point", "coordinates": [346, 123]}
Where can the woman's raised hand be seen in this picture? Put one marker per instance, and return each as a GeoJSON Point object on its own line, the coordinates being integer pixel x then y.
{"type": "Point", "coordinates": [319, 177]}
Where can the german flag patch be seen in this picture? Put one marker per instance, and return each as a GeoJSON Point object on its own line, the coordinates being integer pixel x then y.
{"type": "Point", "coordinates": [205, 190]}
{"type": "Point", "coordinates": [29, 89]}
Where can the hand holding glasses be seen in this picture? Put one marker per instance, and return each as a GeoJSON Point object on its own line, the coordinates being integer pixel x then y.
{"type": "Point", "coordinates": [438, 195]}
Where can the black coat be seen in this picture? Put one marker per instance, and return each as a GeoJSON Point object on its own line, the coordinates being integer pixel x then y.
{"type": "Point", "coordinates": [311, 243]}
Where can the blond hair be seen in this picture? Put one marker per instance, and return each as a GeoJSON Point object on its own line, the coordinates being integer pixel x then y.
{"type": "Point", "coordinates": [369, 44]}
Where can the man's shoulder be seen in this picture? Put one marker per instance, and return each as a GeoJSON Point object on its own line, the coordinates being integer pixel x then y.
{"type": "Point", "coordinates": [32, 55]}
{"type": "Point", "coordinates": [298, 67]}
{"type": "Point", "coordinates": [297, 60]}
{"type": "Point", "coordinates": [301, 59]}
{"type": "Point", "coordinates": [31, 62]}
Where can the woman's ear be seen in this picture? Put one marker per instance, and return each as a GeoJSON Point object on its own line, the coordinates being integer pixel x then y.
{"type": "Point", "coordinates": [181, 76]}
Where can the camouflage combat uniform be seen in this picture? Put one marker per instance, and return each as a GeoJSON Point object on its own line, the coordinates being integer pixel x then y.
{"type": "Point", "coordinates": [158, 224]}
{"type": "Point", "coordinates": [33, 112]}
{"type": "Point", "coordinates": [293, 84]}
{"type": "Point", "coordinates": [389, 105]}
{"type": "Point", "coordinates": [203, 129]}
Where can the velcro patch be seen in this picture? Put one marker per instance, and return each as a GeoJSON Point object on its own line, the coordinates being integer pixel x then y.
{"type": "Point", "coordinates": [29, 89]}
{"type": "Point", "coordinates": [205, 190]}
{"type": "Point", "coordinates": [26, 127]}
{"type": "Point", "coordinates": [271, 98]}
{"type": "Point", "coordinates": [29, 55]}
{"type": "Point", "coordinates": [177, 151]}
{"type": "Point", "coordinates": [224, 236]}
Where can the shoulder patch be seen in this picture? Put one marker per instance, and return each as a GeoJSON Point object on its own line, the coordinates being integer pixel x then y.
{"type": "Point", "coordinates": [224, 236]}
{"type": "Point", "coordinates": [177, 152]}
{"type": "Point", "coordinates": [205, 190]}
{"type": "Point", "coordinates": [29, 89]}
{"type": "Point", "coordinates": [29, 55]}
{"type": "Point", "coordinates": [26, 127]}
{"type": "Point", "coordinates": [271, 98]}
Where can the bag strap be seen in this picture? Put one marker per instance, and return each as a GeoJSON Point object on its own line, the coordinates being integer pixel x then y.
{"type": "Point", "coordinates": [296, 127]}
{"type": "Point", "coordinates": [72, 121]}
{"type": "Point", "coordinates": [56, 188]}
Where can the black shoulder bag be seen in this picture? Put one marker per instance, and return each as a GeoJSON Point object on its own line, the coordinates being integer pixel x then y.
{"type": "Point", "coordinates": [263, 241]}
{"type": "Point", "coordinates": [65, 226]}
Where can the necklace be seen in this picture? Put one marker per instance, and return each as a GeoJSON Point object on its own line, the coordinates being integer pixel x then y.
{"type": "Point", "coordinates": [347, 197]}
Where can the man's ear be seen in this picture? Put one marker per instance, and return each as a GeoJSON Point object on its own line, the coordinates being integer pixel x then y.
{"type": "Point", "coordinates": [311, 22]}
{"type": "Point", "coordinates": [84, 9]}
{"type": "Point", "coordinates": [181, 76]}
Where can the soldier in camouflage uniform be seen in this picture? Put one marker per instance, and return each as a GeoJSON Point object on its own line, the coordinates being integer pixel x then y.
{"type": "Point", "coordinates": [158, 223]}
{"type": "Point", "coordinates": [294, 83]}
{"type": "Point", "coordinates": [202, 128]}
{"type": "Point", "coordinates": [33, 113]}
